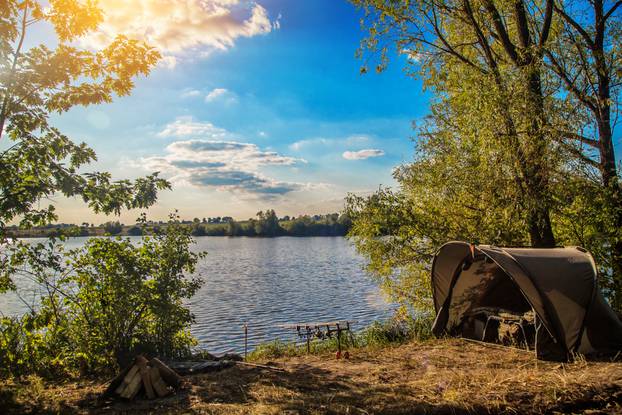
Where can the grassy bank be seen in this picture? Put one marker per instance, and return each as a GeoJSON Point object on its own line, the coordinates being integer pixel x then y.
{"type": "Point", "coordinates": [433, 376]}
{"type": "Point", "coordinates": [376, 336]}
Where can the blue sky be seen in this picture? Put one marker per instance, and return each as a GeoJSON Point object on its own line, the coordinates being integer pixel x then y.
{"type": "Point", "coordinates": [263, 109]}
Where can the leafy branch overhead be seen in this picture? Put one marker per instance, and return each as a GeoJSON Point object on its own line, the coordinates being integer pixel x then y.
{"type": "Point", "coordinates": [39, 161]}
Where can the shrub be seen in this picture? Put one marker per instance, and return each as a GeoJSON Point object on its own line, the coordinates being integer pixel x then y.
{"type": "Point", "coordinates": [397, 330]}
{"type": "Point", "coordinates": [114, 299]}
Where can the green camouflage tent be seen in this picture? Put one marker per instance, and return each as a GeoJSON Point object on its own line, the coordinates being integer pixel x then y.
{"type": "Point", "coordinates": [545, 299]}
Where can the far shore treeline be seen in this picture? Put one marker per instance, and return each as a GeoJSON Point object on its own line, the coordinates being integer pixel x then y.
{"type": "Point", "coordinates": [265, 224]}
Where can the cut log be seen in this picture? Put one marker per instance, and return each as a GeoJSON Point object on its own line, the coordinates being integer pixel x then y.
{"type": "Point", "coordinates": [144, 374]}
{"type": "Point", "coordinates": [126, 380]}
{"type": "Point", "coordinates": [168, 374]}
{"type": "Point", "coordinates": [115, 382]}
{"type": "Point", "coordinates": [156, 381]}
{"type": "Point", "coordinates": [134, 386]}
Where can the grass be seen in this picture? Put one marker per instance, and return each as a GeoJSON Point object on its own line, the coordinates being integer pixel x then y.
{"type": "Point", "coordinates": [377, 335]}
{"type": "Point", "coordinates": [394, 367]}
{"type": "Point", "coordinates": [433, 376]}
{"type": "Point", "coordinates": [387, 372]}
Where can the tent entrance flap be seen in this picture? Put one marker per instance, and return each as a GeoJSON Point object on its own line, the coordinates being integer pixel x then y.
{"type": "Point", "coordinates": [486, 304]}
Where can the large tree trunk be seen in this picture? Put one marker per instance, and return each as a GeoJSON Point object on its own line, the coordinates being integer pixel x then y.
{"type": "Point", "coordinates": [608, 170]}
{"type": "Point", "coordinates": [540, 228]}
{"type": "Point", "coordinates": [613, 189]}
{"type": "Point", "coordinates": [533, 149]}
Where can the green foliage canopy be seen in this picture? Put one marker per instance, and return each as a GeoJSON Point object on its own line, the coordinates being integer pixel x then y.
{"type": "Point", "coordinates": [37, 160]}
{"type": "Point", "coordinates": [503, 155]}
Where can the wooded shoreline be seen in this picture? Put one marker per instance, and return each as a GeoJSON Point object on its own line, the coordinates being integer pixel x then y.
{"type": "Point", "coordinates": [266, 224]}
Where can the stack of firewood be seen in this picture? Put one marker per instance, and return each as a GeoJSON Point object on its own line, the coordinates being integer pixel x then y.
{"type": "Point", "coordinates": [151, 377]}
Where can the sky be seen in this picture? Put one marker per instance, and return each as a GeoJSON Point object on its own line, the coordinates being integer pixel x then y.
{"type": "Point", "coordinates": [254, 105]}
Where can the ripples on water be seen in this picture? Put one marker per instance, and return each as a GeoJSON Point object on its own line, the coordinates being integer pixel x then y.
{"type": "Point", "coordinates": [267, 282]}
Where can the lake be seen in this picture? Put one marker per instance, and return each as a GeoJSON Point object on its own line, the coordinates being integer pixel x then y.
{"type": "Point", "coordinates": [265, 282]}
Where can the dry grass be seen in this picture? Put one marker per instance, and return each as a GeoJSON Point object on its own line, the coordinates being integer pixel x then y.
{"type": "Point", "coordinates": [440, 376]}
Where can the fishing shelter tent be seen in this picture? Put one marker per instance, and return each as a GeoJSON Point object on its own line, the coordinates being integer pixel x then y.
{"type": "Point", "coordinates": [551, 294]}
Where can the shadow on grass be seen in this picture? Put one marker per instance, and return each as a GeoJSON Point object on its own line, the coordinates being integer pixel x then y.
{"type": "Point", "coordinates": [305, 389]}
{"type": "Point", "coordinates": [441, 377]}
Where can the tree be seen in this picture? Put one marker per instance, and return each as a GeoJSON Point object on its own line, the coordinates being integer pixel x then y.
{"type": "Point", "coordinates": [198, 229]}
{"type": "Point", "coordinates": [586, 58]}
{"type": "Point", "coordinates": [503, 157]}
{"type": "Point", "coordinates": [233, 228]}
{"type": "Point", "coordinates": [113, 228]}
{"type": "Point", "coordinates": [299, 226]}
{"type": "Point", "coordinates": [267, 224]}
{"type": "Point", "coordinates": [457, 189]}
{"type": "Point", "coordinates": [135, 231]}
{"type": "Point", "coordinates": [36, 82]}
{"type": "Point", "coordinates": [38, 161]}
{"type": "Point", "coordinates": [500, 47]}
{"type": "Point", "coordinates": [103, 303]}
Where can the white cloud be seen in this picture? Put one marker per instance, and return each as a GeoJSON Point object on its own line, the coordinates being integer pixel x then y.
{"type": "Point", "coordinates": [351, 140]}
{"type": "Point", "coordinates": [215, 93]}
{"type": "Point", "coordinates": [227, 165]}
{"type": "Point", "coordinates": [192, 93]}
{"type": "Point", "coordinates": [221, 94]}
{"type": "Point", "coordinates": [187, 127]}
{"type": "Point", "coordinates": [313, 142]}
{"type": "Point", "coordinates": [362, 154]}
{"type": "Point", "coordinates": [243, 155]}
{"type": "Point", "coordinates": [168, 62]}
{"type": "Point", "coordinates": [177, 26]}
{"type": "Point", "coordinates": [357, 139]}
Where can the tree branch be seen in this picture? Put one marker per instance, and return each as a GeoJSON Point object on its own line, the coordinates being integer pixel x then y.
{"type": "Point", "coordinates": [480, 35]}
{"type": "Point", "coordinates": [449, 48]}
{"type": "Point", "coordinates": [523, 26]}
{"type": "Point", "coordinates": [613, 9]}
{"type": "Point", "coordinates": [575, 25]}
{"type": "Point", "coordinates": [584, 140]}
{"type": "Point", "coordinates": [502, 33]}
{"type": "Point", "coordinates": [18, 49]}
{"type": "Point", "coordinates": [546, 26]}
{"type": "Point", "coordinates": [578, 154]}
{"type": "Point", "coordinates": [570, 85]}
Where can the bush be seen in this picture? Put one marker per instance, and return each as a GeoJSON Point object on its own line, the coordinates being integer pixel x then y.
{"type": "Point", "coordinates": [114, 300]}
{"type": "Point", "coordinates": [397, 330]}
{"type": "Point", "coordinates": [198, 230]}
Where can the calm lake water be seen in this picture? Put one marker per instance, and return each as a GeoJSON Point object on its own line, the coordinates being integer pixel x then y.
{"type": "Point", "coordinates": [265, 283]}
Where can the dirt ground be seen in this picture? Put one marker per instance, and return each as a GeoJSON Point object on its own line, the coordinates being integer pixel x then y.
{"type": "Point", "coordinates": [434, 377]}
